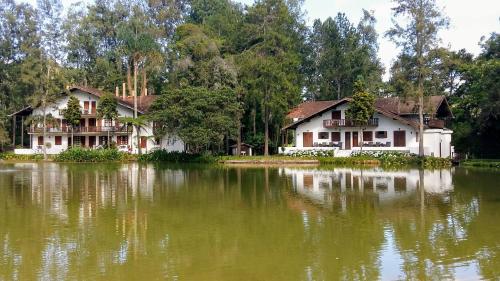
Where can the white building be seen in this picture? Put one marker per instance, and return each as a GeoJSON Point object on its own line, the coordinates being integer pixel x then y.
{"type": "Point", "coordinates": [323, 125]}
{"type": "Point", "coordinates": [91, 132]}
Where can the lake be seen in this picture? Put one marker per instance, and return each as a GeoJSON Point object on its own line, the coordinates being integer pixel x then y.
{"type": "Point", "coordinates": [207, 222]}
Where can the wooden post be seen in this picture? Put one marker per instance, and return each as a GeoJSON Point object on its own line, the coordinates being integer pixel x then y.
{"type": "Point", "coordinates": [22, 131]}
{"type": "Point", "coordinates": [14, 131]}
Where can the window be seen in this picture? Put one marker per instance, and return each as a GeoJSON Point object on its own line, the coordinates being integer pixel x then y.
{"type": "Point", "coordinates": [367, 136]}
{"type": "Point", "coordinates": [58, 140]}
{"type": "Point", "coordinates": [323, 135]}
{"type": "Point", "coordinates": [381, 134]}
{"type": "Point", "coordinates": [107, 123]}
{"type": "Point", "coordinates": [40, 140]}
{"type": "Point", "coordinates": [336, 115]}
{"type": "Point", "coordinates": [335, 136]}
{"type": "Point", "coordinates": [122, 140]}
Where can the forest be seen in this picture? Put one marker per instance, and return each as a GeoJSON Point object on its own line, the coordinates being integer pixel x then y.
{"type": "Point", "coordinates": [227, 71]}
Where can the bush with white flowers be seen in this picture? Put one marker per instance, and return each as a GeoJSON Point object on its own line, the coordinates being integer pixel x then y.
{"type": "Point", "coordinates": [312, 153]}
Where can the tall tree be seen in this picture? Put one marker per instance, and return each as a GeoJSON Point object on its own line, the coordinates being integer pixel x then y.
{"type": "Point", "coordinates": [417, 38]}
{"type": "Point", "coordinates": [270, 64]}
{"type": "Point", "coordinates": [342, 52]}
{"type": "Point", "coordinates": [72, 114]}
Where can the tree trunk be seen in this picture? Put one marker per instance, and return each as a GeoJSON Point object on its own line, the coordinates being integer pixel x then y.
{"type": "Point", "coordinates": [129, 79]}
{"type": "Point", "coordinates": [421, 121]}
{"type": "Point", "coordinates": [266, 130]}
{"type": "Point", "coordinates": [72, 137]}
{"type": "Point", "coordinates": [144, 82]}
{"type": "Point", "coordinates": [238, 138]}
{"type": "Point", "coordinates": [135, 107]}
{"type": "Point", "coordinates": [44, 130]}
{"type": "Point", "coordinates": [254, 115]}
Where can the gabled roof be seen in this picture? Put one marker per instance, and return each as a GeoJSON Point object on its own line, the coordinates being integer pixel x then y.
{"type": "Point", "coordinates": [143, 102]}
{"type": "Point", "coordinates": [392, 107]}
{"type": "Point", "coordinates": [308, 108]}
{"type": "Point", "coordinates": [402, 106]}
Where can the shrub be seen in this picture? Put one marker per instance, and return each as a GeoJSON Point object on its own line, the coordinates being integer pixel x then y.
{"type": "Point", "coordinates": [162, 155]}
{"type": "Point", "coordinates": [78, 154]}
{"type": "Point", "coordinates": [312, 153]}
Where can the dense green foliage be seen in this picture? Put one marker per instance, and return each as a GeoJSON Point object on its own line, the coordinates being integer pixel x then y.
{"type": "Point", "coordinates": [199, 116]}
{"type": "Point", "coordinates": [78, 154]}
{"type": "Point", "coordinates": [342, 52]}
{"type": "Point", "coordinates": [263, 54]}
{"type": "Point", "coordinates": [72, 113]}
{"type": "Point", "coordinates": [362, 105]}
{"type": "Point", "coordinates": [176, 157]}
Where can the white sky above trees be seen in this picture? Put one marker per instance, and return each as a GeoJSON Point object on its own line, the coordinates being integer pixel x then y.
{"type": "Point", "coordinates": [469, 20]}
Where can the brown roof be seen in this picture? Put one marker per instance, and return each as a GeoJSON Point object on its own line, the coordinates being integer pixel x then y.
{"type": "Point", "coordinates": [143, 102]}
{"type": "Point", "coordinates": [402, 106]}
{"type": "Point", "coordinates": [308, 108]}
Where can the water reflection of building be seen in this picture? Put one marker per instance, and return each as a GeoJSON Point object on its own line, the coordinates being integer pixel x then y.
{"type": "Point", "coordinates": [329, 186]}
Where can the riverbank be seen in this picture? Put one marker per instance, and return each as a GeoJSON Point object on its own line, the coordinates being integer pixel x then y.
{"type": "Point", "coordinates": [483, 163]}
{"type": "Point", "coordinates": [386, 159]}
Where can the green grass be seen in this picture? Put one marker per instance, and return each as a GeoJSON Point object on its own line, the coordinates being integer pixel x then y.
{"type": "Point", "coordinates": [486, 163]}
{"type": "Point", "coordinates": [10, 156]}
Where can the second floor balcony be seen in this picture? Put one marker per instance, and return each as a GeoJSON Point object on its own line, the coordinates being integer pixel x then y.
{"type": "Point", "coordinates": [84, 112]}
{"type": "Point", "coordinates": [336, 123]}
{"type": "Point", "coordinates": [83, 129]}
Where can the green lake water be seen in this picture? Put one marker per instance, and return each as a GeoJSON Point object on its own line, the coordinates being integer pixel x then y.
{"type": "Point", "coordinates": [155, 222]}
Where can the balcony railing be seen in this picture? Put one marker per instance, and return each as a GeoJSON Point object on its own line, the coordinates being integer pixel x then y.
{"type": "Point", "coordinates": [435, 123]}
{"type": "Point", "coordinates": [336, 123]}
{"type": "Point", "coordinates": [84, 112]}
{"type": "Point", "coordinates": [86, 129]}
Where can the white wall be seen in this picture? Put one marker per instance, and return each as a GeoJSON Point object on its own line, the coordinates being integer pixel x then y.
{"type": "Point", "coordinates": [315, 125]}
{"type": "Point", "coordinates": [433, 138]}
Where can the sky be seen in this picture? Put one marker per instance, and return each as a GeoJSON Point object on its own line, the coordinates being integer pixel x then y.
{"type": "Point", "coordinates": [469, 21]}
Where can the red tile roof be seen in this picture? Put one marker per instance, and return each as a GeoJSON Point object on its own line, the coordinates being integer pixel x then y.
{"type": "Point", "coordinates": [143, 102]}
{"type": "Point", "coordinates": [308, 108]}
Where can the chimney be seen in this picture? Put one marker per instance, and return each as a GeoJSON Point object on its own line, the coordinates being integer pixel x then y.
{"type": "Point", "coordinates": [123, 91]}
{"type": "Point", "coordinates": [117, 91]}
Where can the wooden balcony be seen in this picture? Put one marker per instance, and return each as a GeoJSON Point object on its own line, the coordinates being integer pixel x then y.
{"type": "Point", "coordinates": [435, 123]}
{"type": "Point", "coordinates": [86, 129]}
{"type": "Point", "coordinates": [337, 123]}
{"type": "Point", "coordinates": [84, 112]}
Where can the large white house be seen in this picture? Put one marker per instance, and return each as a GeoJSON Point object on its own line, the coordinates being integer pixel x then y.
{"type": "Point", "coordinates": [91, 132]}
{"type": "Point", "coordinates": [322, 125]}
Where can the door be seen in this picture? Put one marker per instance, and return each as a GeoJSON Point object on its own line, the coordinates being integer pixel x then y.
{"type": "Point", "coordinates": [399, 138]}
{"type": "Point", "coordinates": [347, 140]}
{"type": "Point", "coordinates": [355, 139]}
{"type": "Point", "coordinates": [86, 107]}
{"type": "Point", "coordinates": [307, 139]}
{"type": "Point", "coordinates": [144, 141]}
{"type": "Point", "coordinates": [92, 125]}
{"type": "Point", "coordinates": [91, 141]}
{"type": "Point", "coordinates": [93, 105]}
